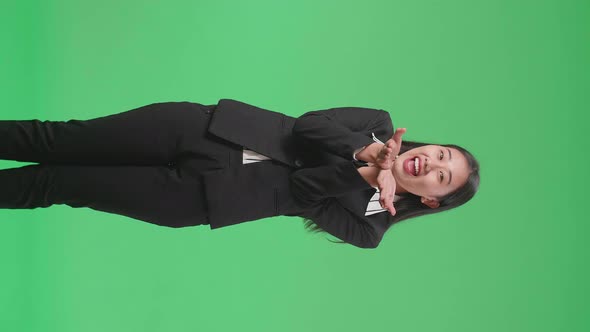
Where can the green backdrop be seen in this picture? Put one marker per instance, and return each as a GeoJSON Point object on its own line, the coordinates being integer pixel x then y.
{"type": "Point", "coordinates": [507, 79]}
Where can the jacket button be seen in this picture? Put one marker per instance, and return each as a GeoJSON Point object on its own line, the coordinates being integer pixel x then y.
{"type": "Point", "coordinates": [298, 163]}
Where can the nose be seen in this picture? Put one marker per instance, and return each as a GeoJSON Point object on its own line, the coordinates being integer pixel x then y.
{"type": "Point", "coordinates": [432, 164]}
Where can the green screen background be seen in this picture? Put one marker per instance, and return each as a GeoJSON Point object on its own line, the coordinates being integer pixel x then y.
{"type": "Point", "coordinates": [508, 80]}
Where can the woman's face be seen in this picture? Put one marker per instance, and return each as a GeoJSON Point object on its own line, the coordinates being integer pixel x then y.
{"type": "Point", "coordinates": [441, 170]}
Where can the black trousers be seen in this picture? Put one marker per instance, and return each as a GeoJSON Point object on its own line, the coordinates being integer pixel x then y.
{"type": "Point", "coordinates": [144, 163]}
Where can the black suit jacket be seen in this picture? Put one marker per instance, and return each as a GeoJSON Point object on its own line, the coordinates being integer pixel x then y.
{"type": "Point", "coordinates": [312, 173]}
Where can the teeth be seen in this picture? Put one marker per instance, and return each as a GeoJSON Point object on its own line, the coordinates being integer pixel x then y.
{"type": "Point", "coordinates": [417, 165]}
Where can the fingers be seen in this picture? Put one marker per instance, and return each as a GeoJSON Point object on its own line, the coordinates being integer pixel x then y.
{"type": "Point", "coordinates": [387, 203]}
{"type": "Point", "coordinates": [397, 136]}
{"type": "Point", "coordinates": [396, 139]}
{"type": "Point", "coordinates": [387, 186]}
{"type": "Point", "coordinates": [392, 210]}
{"type": "Point", "coordinates": [385, 155]}
{"type": "Point", "coordinates": [389, 207]}
{"type": "Point", "coordinates": [394, 144]}
{"type": "Point", "coordinates": [388, 151]}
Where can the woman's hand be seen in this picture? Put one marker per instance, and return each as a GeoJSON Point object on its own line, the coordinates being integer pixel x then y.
{"type": "Point", "coordinates": [384, 180]}
{"type": "Point", "coordinates": [386, 184]}
{"type": "Point", "coordinates": [389, 151]}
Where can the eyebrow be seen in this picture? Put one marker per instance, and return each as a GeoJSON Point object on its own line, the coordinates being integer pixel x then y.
{"type": "Point", "coordinates": [450, 158]}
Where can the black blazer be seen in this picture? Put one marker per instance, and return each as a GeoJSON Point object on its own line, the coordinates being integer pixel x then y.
{"type": "Point", "coordinates": [312, 173]}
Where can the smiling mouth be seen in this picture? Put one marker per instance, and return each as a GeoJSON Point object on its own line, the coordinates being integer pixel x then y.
{"type": "Point", "coordinates": [412, 166]}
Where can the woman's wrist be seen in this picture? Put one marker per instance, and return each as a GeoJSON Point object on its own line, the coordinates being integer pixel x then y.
{"type": "Point", "coordinates": [370, 153]}
{"type": "Point", "coordinates": [369, 173]}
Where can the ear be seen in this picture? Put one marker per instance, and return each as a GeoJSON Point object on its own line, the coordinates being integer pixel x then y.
{"type": "Point", "coordinates": [430, 202]}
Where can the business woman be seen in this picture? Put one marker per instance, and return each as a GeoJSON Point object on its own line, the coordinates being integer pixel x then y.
{"type": "Point", "coordinates": [179, 164]}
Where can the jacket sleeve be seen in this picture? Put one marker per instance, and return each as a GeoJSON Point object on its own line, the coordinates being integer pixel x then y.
{"type": "Point", "coordinates": [343, 130]}
{"type": "Point", "coordinates": [316, 188]}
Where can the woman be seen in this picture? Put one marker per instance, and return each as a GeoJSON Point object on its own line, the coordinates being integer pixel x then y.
{"type": "Point", "coordinates": [179, 164]}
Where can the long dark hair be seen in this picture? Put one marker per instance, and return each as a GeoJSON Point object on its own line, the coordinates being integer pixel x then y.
{"type": "Point", "coordinates": [410, 206]}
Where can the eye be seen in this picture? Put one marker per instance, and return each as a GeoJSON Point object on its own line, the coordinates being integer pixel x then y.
{"type": "Point", "coordinates": [441, 176]}
{"type": "Point", "coordinates": [441, 155]}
